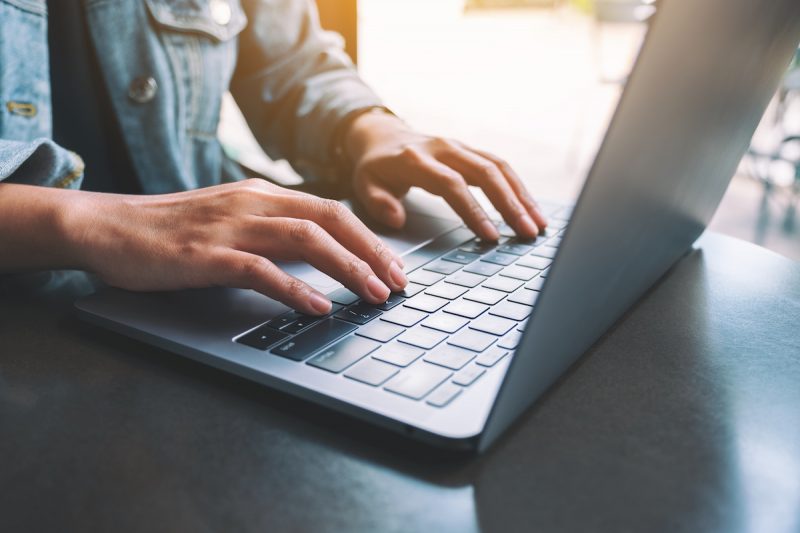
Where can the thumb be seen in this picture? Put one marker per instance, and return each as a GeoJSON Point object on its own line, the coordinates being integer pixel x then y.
{"type": "Point", "coordinates": [382, 205]}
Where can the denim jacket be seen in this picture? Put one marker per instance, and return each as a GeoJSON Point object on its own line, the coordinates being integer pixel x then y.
{"type": "Point", "coordinates": [167, 64]}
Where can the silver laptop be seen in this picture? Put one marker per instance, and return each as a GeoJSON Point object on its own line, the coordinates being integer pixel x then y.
{"type": "Point", "coordinates": [484, 329]}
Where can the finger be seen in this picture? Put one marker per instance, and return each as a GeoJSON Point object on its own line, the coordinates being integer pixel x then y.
{"type": "Point", "coordinates": [440, 179]}
{"type": "Point", "coordinates": [296, 239]}
{"type": "Point", "coordinates": [270, 200]}
{"type": "Point", "coordinates": [382, 204]}
{"type": "Point", "coordinates": [247, 271]}
{"type": "Point", "coordinates": [516, 183]}
{"type": "Point", "coordinates": [485, 174]}
{"type": "Point", "coordinates": [340, 223]}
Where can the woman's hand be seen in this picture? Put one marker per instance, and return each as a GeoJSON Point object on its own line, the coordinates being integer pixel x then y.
{"type": "Point", "coordinates": [390, 158]}
{"type": "Point", "coordinates": [229, 235]}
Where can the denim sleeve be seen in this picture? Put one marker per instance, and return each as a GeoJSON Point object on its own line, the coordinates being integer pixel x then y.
{"type": "Point", "coordinates": [40, 162]}
{"type": "Point", "coordinates": [294, 83]}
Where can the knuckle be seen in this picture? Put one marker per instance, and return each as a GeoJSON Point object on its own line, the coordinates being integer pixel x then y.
{"type": "Point", "coordinates": [487, 170]}
{"type": "Point", "coordinates": [254, 184]}
{"type": "Point", "coordinates": [515, 210]}
{"type": "Point", "coordinates": [303, 231]}
{"type": "Point", "coordinates": [381, 252]}
{"type": "Point", "coordinates": [294, 287]}
{"type": "Point", "coordinates": [476, 211]}
{"type": "Point", "coordinates": [454, 182]}
{"type": "Point", "coordinates": [503, 165]}
{"type": "Point", "coordinates": [445, 143]}
{"type": "Point", "coordinates": [332, 210]}
{"type": "Point", "coordinates": [411, 153]}
{"type": "Point", "coordinates": [355, 266]}
{"type": "Point", "coordinates": [252, 267]}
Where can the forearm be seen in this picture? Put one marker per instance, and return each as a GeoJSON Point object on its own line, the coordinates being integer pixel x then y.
{"type": "Point", "coordinates": [36, 230]}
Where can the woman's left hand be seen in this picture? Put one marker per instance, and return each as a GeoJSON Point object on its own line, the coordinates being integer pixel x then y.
{"type": "Point", "coordinates": [390, 158]}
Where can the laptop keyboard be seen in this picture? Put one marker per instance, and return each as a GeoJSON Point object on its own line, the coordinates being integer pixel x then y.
{"type": "Point", "coordinates": [463, 311]}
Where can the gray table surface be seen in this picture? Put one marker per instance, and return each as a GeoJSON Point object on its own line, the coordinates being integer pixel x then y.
{"type": "Point", "coordinates": [685, 417]}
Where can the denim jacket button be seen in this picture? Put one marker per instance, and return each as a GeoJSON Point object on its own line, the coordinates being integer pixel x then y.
{"type": "Point", "coordinates": [220, 11]}
{"type": "Point", "coordinates": [142, 89]}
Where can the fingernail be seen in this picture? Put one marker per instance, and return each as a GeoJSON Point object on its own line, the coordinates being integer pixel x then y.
{"type": "Point", "coordinates": [489, 230]}
{"type": "Point", "coordinates": [397, 275]}
{"type": "Point", "coordinates": [377, 288]}
{"type": "Point", "coordinates": [527, 225]}
{"type": "Point", "coordinates": [320, 304]}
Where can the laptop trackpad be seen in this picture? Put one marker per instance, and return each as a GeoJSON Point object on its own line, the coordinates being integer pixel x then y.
{"type": "Point", "coordinates": [419, 229]}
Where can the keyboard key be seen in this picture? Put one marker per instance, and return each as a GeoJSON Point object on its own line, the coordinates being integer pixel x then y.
{"type": "Point", "coordinates": [483, 268]}
{"type": "Point", "coordinates": [521, 326]}
{"type": "Point", "coordinates": [493, 324]}
{"type": "Point", "coordinates": [443, 395]}
{"type": "Point", "coordinates": [372, 372]}
{"type": "Point", "coordinates": [555, 242]}
{"type": "Point", "coordinates": [524, 296]}
{"type": "Point", "coordinates": [511, 310]}
{"type": "Point", "coordinates": [461, 257]}
{"type": "Point", "coordinates": [442, 267]}
{"type": "Point", "coordinates": [515, 248]}
{"type": "Point", "coordinates": [312, 339]}
{"type": "Point", "coordinates": [283, 320]}
{"type": "Point", "coordinates": [503, 284]}
{"type": "Point", "coordinates": [262, 338]}
{"type": "Point", "coordinates": [535, 284]}
{"type": "Point", "coordinates": [557, 223]}
{"type": "Point", "coordinates": [344, 353]}
{"type": "Point", "coordinates": [472, 340]}
{"type": "Point", "coordinates": [519, 272]}
{"type": "Point", "coordinates": [466, 308]}
{"type": "Point", "coordinates": [300, 324]}
{"type": "Point", "coordinates": [469, 375]}
{"type": "Point", "coordinates": [545, 273]}
{"type": "Point", "coordinates": [423, 302]}
{"type": "Point", "coordinates": [422, 337]}
{"type": "Point", "coordinates": [403, 316]}
{"type": "Point", "coordinates": [511, 340]}
{"type": "Point", "coordinates": [532, 261]}
{"type": "Point", "coordinates": [446, 290]}
{"type": "Point", "coordinates": [445, 322]}
{"type": "Point", "coordinates": [417, 381]}
{"type": "Point", "coordinates": [424, 277]}
{"type": "Point", "coordinates": [465, 279]}
{"type": "Point", "coordinates": [484, 296]}
{"type": "Point", "coordinates": [380, 331]}
{"type": "Point", "coordinates": [491, 356]}
{"type": "Point", "coordinates": [450, 356]}
{"type": "Point", "coordinates": [499, 258]}
{"type": "Point", "coordinates": [343, 296]}
{"type": "Point", "coordinates": [398, 354]}
{"type": "Point", "coordinates": [412, 289]}
{"type": "Point", "coordinates": [545, 251]}
{"type": "Point", "coordinates": [394, 300]}
{"type": "Point", "coordinates": [478, 246]}
{"type": "Point", "coordinates": [360, 313]}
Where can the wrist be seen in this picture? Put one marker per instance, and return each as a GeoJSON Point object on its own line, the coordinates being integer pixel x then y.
{"type": "Point", "coordinates": [368, 130]}
{"type": "Point", "coordinates": [88, 225]}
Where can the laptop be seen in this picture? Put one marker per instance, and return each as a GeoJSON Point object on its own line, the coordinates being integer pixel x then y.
{"type": "Point", "coordinates": [483, 329]}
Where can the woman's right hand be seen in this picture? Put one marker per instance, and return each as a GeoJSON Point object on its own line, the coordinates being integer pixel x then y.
{"type": "Point", "coordinates": [229, 235]}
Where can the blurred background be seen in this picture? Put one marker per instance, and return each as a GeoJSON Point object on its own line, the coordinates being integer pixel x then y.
{"type": "Point", "coordinates": [536, 82]}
